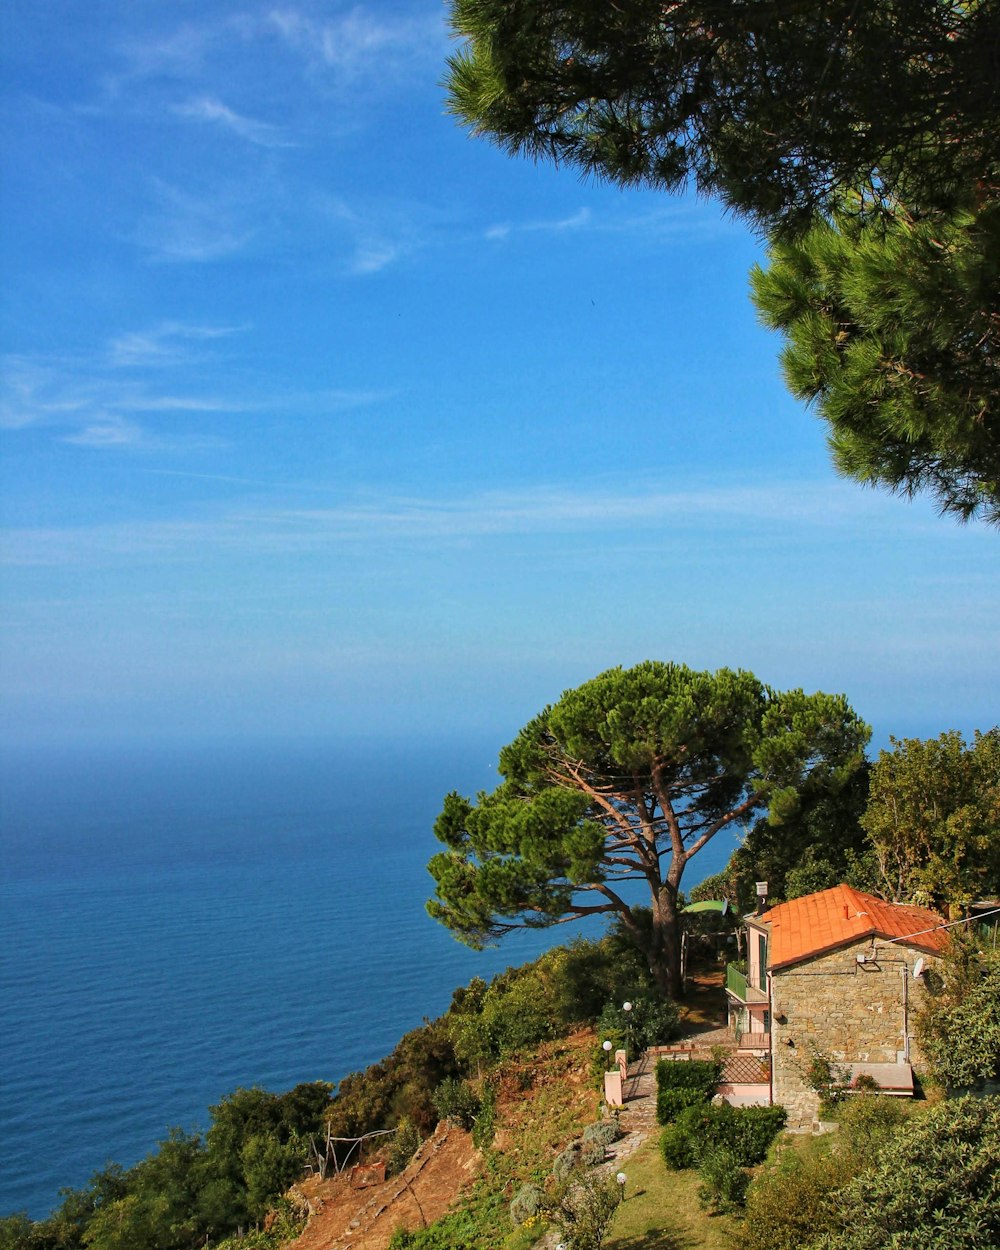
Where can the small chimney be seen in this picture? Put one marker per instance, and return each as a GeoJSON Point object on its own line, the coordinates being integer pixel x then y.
{"type": "Point", "coordinates": [761, 897]}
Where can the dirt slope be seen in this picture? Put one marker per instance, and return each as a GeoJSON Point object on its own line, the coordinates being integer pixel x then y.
{"type": "Point", "coordinates": [365, 1219]}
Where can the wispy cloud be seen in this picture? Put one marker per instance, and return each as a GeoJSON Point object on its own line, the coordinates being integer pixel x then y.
{"type": "Point", "coordinates": [179, 53]}
{"type": "Point", "coordinates": [770, 509]}
{"type": "Point", "coordinates": [376, 237]}
{"type": "Point", "coordinates": [360, 45]}
{"type": "Point", "coordinates": [673, 221]}
{"type": "Point", "coordinates": [166, 344]}
{"type": "Point", "coordinates": [108, 431]}
{"type": "Point", "coordinates": [94, 402]}
{"type": "Point", "coordinates": [212, 111]}
{"type": "Point", "coordinates": [102, 401]}
{"type": "Point", "coordinates": [576, 221]}
{"type": "Point", "coordinates": [185, 225]}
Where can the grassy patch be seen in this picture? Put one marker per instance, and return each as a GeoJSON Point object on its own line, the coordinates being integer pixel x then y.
{"type": "Point", "coordinates": [661, 1210]}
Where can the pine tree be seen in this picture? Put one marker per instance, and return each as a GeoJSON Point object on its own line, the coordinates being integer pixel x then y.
{"type": "Point", "coordinates": [774, 105]}
{"type": "Point", "coordinates": [893, 333]}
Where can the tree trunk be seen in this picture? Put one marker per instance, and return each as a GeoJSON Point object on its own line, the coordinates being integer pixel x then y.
{"type": "Point", "coordinates": [665, 948]}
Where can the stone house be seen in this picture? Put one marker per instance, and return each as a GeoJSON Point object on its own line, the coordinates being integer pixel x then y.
{"type": "Point", "coordinates": [839, 973]}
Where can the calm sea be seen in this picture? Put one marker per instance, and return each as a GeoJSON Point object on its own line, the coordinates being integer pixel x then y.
{"type": "Point", "coordinates": [176, 924]}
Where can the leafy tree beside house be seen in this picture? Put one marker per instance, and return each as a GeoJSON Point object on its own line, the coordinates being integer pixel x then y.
{"type": "Point", "coordinates": [814, 848]}
{"type": "Point", "coordinates": [625, 779]}
{"type": "Point", "coordinates": [933, 819]}
{"type": "Point", "coordinates": [959, 1022]}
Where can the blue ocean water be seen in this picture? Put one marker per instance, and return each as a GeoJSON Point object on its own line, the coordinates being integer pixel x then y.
{"type": "Point", "coordinates": [178, 923]}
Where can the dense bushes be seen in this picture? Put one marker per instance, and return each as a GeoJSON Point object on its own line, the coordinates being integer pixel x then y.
{"type": "Point", "coordinates": [565, 987]}
{"type": "Point", "coordinates": [721, 1142]}
{"type": "Point", "coordinates": [893, 1176]}
{"type": "Point", "coordinates": [682, 1085]}
{"type": "Point", "coordinates": [790, 1204]}
{"type": "Point", "coordinates": [603, 1132]}
{"type": "Point", "coordinates": [935, 1185]}
{"type": "Point", "coordinates": [959, 1026]}
{"type": "Point", "coordinates": [485, 1127]}
{"type": "Point", "coordinates": [723, 1181]}
{"type": "Point", "coordinates": [527, 1202]}
{"type": "Point", "coordinates": [745, 1132]}
{"type": "Point", "coordinates": [457, 1101]}
{"type": "Point", "coordinates": [190, 1191]}
{"type": "Point", "coordinates": [405, 1143]}
{"type": "Point", "coordinates": [566, 1161]}
{"type": "Point", "coordinates": [401, 1085]}
{"type": "Point", "coordinates": [650, 1022]}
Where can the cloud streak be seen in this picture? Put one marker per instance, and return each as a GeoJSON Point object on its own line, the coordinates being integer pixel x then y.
{"type": "Point", "coordinates": [91, 406]}
{"type": "Point", "coordinates": [673, 222]}
{"type": "Point", "coordinates": [108, 401]}
{"type": "Point", "coordinates": [358, 46]}
{"type": "Point", "coordinates": [166, 344]}
{"type": "Point", "coordinates": [790, 510]}
{"type": "Point", "coordinates": [214, 112]}
{"type": "Point", "coordinates": [183, 225]}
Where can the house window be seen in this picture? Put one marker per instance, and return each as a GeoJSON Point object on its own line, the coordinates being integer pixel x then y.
{"type": "Point", "coordinates": [767, 1022]}
{"type": "Point", "coordinates": [761, 960]}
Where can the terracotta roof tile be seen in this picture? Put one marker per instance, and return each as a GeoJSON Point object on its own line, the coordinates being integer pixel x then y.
{"type": "Point", "coordinates": [817, 923]}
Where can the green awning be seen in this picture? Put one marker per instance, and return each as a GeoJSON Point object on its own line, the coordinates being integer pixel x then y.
{"type": "Point", "coordinates": [721, 905]}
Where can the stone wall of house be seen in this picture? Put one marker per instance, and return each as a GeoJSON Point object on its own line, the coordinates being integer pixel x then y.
{"type": "Point", "coordinates": [849, 1012]}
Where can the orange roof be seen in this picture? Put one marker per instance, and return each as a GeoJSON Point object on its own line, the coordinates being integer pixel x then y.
{"type": "Point", "coordinates": [821, 922]}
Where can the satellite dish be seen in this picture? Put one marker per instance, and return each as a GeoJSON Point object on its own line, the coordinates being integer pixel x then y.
{"type": "Point", "coordinates": [920, 967]}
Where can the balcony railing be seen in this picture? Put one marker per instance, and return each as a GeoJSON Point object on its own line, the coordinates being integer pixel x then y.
{"type": "Point", "coordinates": [738, 985]}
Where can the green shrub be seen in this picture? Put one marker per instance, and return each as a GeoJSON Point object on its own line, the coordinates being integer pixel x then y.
{"type": "Point", "coordinates": [401, 1084]}
{"type": "Point", "coordinates": [934, 1186]}
{"type": "Point", "coordinates": [593, 1153]}
{"type": "Point", "coordinates": [700, 1074]}
{"type": "Point", "coordinates": [680, 1085]}
{"type": "Point", "coordinates": [456, 1231]}
{"type": "Point", "coordinates": [677, 1145]}
{"type": "Point", "coordinates": [485, 1127]}
{"type": "Point", "coordinates": [404, 1146]}
{"type": "Point", "coordinates": [790, 1204]}
{"type": "Point", "coordinates": [867, 1123]}
{"type": "Point", "coordinates": [528, 1201]}
{"type": "Point", "coordinates": [959, 1023]}
{"type": "Point", "coordinates": [652, 1021]}
{"type": "Point", "coordinates": [830, 1080]}
{"type": "Point", "coordinates": [749, 1131]}
{"type": "Point", "coordinates": [511, 1014]}
{"type": "Point", "coordinates": [744, 1132]}
{"type": "Point", "coordinates": [584, 1213]}
{"type": "Point", "coordinates": [566, 1161]}
{"type": "Point", "coordinates": [603, 1132]}
{"type": "Point", "coordinates": [456, 1101]}
{"type": "Point", "coordinates": [671, 1102]}
{"type": "Point", "coordinates": [723, 1182]}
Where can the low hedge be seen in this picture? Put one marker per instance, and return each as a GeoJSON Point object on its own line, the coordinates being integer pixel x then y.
{"type": "Point", "coordinates": [744, 1132]}
{"type": "Point", "coordinates": [682, 1084]}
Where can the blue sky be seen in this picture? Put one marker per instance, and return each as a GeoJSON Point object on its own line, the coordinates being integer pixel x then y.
{"type": "Point", "coordinates": [320, 417]}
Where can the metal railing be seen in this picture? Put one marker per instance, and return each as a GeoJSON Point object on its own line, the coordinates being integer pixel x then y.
{"type": "Point", "coordinates": [738, 985]}
{"type": "Point", "coordinates": [736, 982]}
